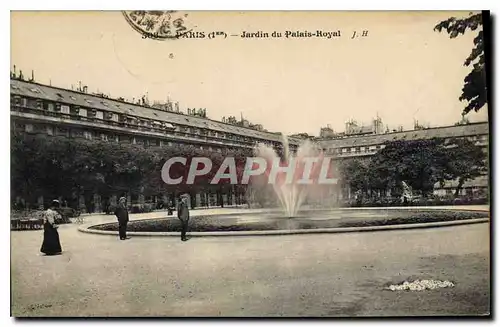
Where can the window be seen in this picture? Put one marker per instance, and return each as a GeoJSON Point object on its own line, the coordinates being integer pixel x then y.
{"type": "Point", "coordinates": [28, 128]}
{"type": "Point", "coordinates": [50, 130]}
{"type": "Point", "coordinates": [104, 137]}
{"type": "Point", "coordinates": [99, 114]}
{"type": "Point", "coordinates": [62, 131]}
{"type": "Point", "coordinates": [50, 107]}
{"type": "Point", "coordinates": [76, 133]}
{"type": "Point", "coordinates": [24, 102]}
{"type": "Point", "coordinates": [65, 109]}
{"type": "Point", "coordinates": [82, 112]}
{"type": "Point", "coordinates": [87, 135]}
{"type": "Point", "coordinates": [114, 117]}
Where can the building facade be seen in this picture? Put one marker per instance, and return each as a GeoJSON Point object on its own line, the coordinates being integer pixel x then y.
{"type": "Point", "coordinates": [364, 145]}
{"type": "Point", "coordinates": [52, 111]}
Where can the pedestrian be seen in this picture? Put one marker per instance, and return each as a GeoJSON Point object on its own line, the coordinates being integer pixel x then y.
{"type": "Point", "coordinates": [183, 215]}
{"type": "Point", "coordinates": [51, 244]}
{"type": "Point", "coordinates": [121, 213]}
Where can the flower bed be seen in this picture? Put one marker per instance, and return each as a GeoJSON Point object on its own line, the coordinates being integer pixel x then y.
{"type": "Point", "coordinates": [255, 222]}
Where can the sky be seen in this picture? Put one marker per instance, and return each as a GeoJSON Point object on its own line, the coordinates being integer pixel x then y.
{"type": "Point", "coordinates": [402, 71]}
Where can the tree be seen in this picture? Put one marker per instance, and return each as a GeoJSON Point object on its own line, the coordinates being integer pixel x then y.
{"type": "Point", "coordinates": [474, 90]}
{"type": "Point", "coordinates": [354, 173]}
{"type": "Point", "coordinates": [419, 163]}
{"type": "Point", "coordinates": [465, 160]}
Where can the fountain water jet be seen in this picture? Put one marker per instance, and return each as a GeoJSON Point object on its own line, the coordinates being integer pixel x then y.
{"type": "Point", "coordinates": [291, 195]}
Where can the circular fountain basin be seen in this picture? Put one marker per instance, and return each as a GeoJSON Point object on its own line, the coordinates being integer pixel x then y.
{"type": "Point", "coordinates": [275, 222]}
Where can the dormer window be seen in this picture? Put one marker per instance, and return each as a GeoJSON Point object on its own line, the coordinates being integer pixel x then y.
{"type": "Point", "coordinates": [34, 90]}
{"type": "Point", "coordinates": [88, 101]}
{"type": "Point", "coordinates": [72, 98]}
{"type": "Point", "coordinates": [60, 95]}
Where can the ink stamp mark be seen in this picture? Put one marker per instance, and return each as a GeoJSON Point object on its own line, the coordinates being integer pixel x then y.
{"type": "Point", "coordinates": [157, 25]}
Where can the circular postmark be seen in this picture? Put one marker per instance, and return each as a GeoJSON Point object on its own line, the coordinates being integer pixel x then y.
{"type": "Point", "coordinates": [157, 25]}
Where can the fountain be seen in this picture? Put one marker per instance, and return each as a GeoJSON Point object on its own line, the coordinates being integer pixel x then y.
{"type": "Point", "coordinates": [292, 193]}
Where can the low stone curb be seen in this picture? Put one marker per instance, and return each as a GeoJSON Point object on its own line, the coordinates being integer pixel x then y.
{"type": "Point", "coordinates": [85, 229]}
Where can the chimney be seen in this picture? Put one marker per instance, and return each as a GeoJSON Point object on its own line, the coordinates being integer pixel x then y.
{"type": "Point", "coordinates": [80, 86]}
{"type": "Point", "coordinates": [85, 89]}
{"type": "Point", "coordinates": [32, 75]}
{"type": "Point", "coordinates": [21, 77]}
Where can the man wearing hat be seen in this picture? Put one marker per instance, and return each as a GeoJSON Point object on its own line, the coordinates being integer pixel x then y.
{"type": "Point", "coordinates": [121, 213]}
{"type": "Point", "coordinates": [183, 215]}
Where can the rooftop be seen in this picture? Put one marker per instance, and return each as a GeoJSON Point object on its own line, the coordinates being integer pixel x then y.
{"type": "Point", "coordinates": [429, 133]}
{"type": "Point", "coordinates": [51, 93]}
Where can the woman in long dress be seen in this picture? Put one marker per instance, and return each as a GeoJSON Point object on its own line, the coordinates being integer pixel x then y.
{"type": "Point", "coordinates": [51, 244]}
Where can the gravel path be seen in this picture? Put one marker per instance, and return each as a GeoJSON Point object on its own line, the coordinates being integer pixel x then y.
{"type": "Point", "coordinates": [296, 275]}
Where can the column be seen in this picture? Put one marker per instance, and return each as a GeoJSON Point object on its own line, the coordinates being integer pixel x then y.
{"type": "Point", "coordinates": [81, 204]}
{"type": "Point", "coordinates": [166, 201]}
{"type": "Point", "coordinates": [113, 201]}
{"type": "Point", "coordinates": [97, 203]}
{"type": "Point", "coordinates": [40, 202]}
{"type": "Point", "coordinates": [224, 199]}
{"type": "Point", "coordinates": [198, 199]}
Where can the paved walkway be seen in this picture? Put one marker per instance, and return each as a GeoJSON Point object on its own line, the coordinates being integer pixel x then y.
{"type": "Point", "coordinates": [297, 275]}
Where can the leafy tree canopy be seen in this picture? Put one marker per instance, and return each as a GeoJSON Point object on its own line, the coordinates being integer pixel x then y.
{"type": "Point", "coordinates": [474, 89]}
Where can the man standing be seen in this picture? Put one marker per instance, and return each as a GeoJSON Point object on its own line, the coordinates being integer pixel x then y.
{"type": "Point", "coordinates": [121, 213]}
{"type": "Point", "coordinates": [183, 215]}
